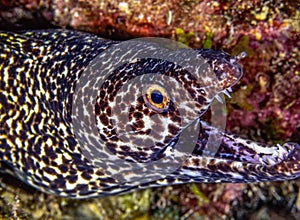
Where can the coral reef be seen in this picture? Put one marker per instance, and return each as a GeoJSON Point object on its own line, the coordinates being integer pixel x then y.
{"type": "Point", "coordinates": [265, 104]}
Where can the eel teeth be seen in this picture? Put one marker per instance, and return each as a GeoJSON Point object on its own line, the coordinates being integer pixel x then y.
{"type": "Point", "coordinates": [241, 55]}
{"type": "Point", "coordinates": [226, 92]}
{"type": "Point", "coordinates": [219, 98]}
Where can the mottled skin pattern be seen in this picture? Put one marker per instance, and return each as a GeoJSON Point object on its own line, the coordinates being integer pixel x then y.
{"type": "Point", "coordinates": [38, 74]}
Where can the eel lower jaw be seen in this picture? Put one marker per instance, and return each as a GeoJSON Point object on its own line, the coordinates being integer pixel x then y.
{"type": "Point", "coordinates": [294, 152]}
{"type": "Point", "coordinates": [217, 169]}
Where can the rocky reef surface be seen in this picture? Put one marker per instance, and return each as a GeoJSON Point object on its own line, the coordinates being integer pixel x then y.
{"type": "Point", "coordinates": [265, 104]}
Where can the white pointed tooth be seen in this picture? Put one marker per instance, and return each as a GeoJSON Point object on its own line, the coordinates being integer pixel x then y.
{"type": "Point", "coordinates": [241, 55]}
{"type": "Point", "coordinates": [227, 93]}
{"type": "Point", "coordinates": [229, 89]}
{"type": "Point", "coordinates": [219, 98]}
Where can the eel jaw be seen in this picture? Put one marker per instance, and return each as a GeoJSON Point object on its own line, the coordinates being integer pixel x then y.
{"type": "Point", "coordinates": [226, 92]}
{"type": "Point", "coordinates": [239, 160]}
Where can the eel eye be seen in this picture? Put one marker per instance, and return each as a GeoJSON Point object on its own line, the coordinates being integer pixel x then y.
{"type": "Point", "coordinates": [156, 97]}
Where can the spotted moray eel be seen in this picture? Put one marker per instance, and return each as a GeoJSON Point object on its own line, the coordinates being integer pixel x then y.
{"type": "Point", "coordinates": [144, 113]}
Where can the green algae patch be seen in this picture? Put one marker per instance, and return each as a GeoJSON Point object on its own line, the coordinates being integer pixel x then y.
{"type": "Point", "coordinates": [240, 97]}
{"type": "Point", "coordinates": [207, 43]}
{"type": "Point", "coordinates": [183, 36]}
{"type": "Point", "coordinates": [202, 199]}
{"type": "Point", "coordinates": [131, 206]}
{"type": "Point", "coordinates": [243, 46]}
{"type": "Point", "coordinates": [167, 213]}
{"type": "Point", "coordinates": [273, 130]}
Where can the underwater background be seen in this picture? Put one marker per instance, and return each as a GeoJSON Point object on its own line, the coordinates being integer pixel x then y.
{"type": "Point", "coordinates": [265, 104]}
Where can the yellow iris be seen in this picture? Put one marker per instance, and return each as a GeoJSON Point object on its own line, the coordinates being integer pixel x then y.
{"type": "Point", "coordinates": [157, 97]}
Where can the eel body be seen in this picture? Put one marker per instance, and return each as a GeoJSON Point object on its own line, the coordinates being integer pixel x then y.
{"type": "Point", "coordinates": [82, 116]}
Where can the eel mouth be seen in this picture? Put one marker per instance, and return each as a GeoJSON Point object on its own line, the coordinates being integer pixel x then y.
{"type": "Point", "coordinates": [217, 144]}
{"type": "Point", "coordinates": [234, 159]}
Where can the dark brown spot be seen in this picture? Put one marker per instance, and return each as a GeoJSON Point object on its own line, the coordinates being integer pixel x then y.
{"type": "Point", "coordinates": [112, 147]}
{"type": "Point", "coordinates": [138, 115]}
{"type": "Point", "coordinates": [46, 160]}
{"type": "Point", "coordinates": [49, 152]}
{"type": "Point", "coordinates": [86, 176]}
{"type": "Point", "coordinates": [49, 170]}
{"type": "Point", "coordinates": [97, 109]}
{"type": "Point", "coordinates": [201, 100]}
{"type": "Point", "coordinates": [125, 148]}
{"type": "Point", "coordinates": [138, 125]}
{"type": "Point", "coordinates": [82, 188]}
{"type": "Point", "coordinates": [110, 89]}
{"type": "Point", "coordinates": [63, 168]}
{"type": "Point", "coordinates": [60, 182]}
{"type": "Point", "coordinates": [72, 178]}
{"type": "Point", "coordinates": [108, 111]}
{"type": "Point", "coordinates": [99, 173]}
{"type": "Point", "coordinates": [103, 105]}
{"type": "Point", "coordinates": [102, 94]}
{"type": "Point", "coordinates": [146, 111]}
{"type": "Point", "coordinates": [172, 129]}
{"type": "Point", "coordinates": [104, 119]}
